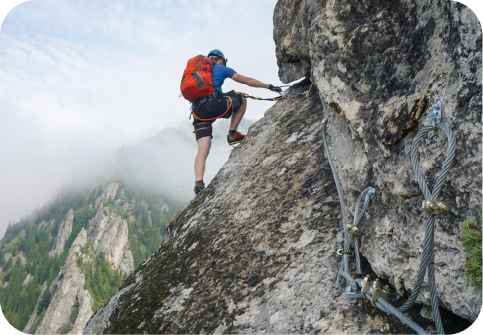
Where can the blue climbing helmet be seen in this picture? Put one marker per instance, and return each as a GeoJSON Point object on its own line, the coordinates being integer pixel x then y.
{"type": "Point", "coordinates": [218, 53]}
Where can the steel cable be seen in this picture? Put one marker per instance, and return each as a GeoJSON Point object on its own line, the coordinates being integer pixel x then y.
{"type": "Point", "coordinates": [427, 260]}
{"type": "Point", "coordinates": [358, 212]}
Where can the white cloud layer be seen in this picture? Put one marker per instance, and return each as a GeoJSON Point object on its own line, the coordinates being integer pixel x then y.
{"type": "Point", "coordinates": [78, 79]}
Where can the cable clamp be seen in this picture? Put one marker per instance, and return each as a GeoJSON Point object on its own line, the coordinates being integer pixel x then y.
{"type": "Point", "coordinates": [435, 207]}
{"type": "Point", "coordinates": [435, 115]}
{"type": "Point", "coordinates": [324, 120]}
{"type": "Point", "coordinates": [377, 292]}
{"type": "Point", "coordinates": [341, 252]}
{"type": "Point", "coordinates": [352, 229]}
{"type": "Point", "coordinates": [307, 95]}
{"type": "Point", "coordinates": [365, 285]}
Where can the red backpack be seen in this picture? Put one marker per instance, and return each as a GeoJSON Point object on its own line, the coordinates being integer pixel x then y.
{"type": "Point", "coordinates": [196, 82]}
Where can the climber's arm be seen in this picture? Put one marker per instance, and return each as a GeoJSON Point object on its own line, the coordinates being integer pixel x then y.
{"type": "Point", "coordinates": [248, 81]}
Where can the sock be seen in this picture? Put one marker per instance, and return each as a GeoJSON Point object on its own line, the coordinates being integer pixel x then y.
{"type": "Point", "coordinates": [231, 132]}
{"type": "Point", "coordinates": [199, 183]}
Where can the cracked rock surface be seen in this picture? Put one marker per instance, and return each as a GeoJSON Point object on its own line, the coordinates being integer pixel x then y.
{"type": "Point", "coordinates": [380, 66]}
{"type": "Point", "coordinates": [256, 250]}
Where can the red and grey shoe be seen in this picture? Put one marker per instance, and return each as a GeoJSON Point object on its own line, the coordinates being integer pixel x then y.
{"type": "Point", "coordinates": [234, 139]}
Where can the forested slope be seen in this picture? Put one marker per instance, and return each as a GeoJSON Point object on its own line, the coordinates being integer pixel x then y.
{"type": "Point", "coordinates": [34, 251]}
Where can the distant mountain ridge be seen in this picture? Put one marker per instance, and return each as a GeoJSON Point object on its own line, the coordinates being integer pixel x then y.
{"type": "Point", "coordinates": [61, 264]}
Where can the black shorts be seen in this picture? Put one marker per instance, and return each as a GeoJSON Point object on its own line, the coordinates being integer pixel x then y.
{"type": "Point", "coordinates": [210, 111]}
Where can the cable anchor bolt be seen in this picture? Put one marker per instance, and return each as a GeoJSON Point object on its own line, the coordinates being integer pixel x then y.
{"type": "Point", "coordinates": [435, 115]}
{"type": "Point", "coordinates": [341, 252]}
{"type": "Point", "coordinates": [435, 207]}
{"type": "Point", "coordinates": [352, 229]}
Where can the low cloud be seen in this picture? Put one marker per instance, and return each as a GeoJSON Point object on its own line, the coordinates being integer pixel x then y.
{"type": "Point", "coordinates": [78, 80]}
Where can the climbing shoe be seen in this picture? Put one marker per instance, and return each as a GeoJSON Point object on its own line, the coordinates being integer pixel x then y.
{"type": "Point", "coordinates": [234, 137]}
{"type": "Point", "coordinates": [199, 186]}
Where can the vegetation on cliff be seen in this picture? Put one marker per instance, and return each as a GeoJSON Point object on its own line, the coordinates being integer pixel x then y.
{"type": "Point", "coordinates": [25, 264]}
{"type": "Point", "coordinates": [471, 239]}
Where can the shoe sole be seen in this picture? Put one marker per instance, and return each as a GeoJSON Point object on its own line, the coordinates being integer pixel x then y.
{"type": "Point", "coordinates": [198, 191]}
{"type": "Point", "coordinates": [231, 143]}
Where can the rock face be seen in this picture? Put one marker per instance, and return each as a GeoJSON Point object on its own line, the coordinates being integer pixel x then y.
{"type": "Point", "coordinates": [109, 192]}
{"type": "Point", "coordinates": [126, 265]}
{"type": "Point", "coordinates": [65, 230]}
{"type": "Point", "coordinates": [110, 236]}
{"type": "Point", "coordinates": [107, 232]}
{"type": "Point", "coordinates": [256, 250]}
{"type": "Point", "coordinates": [380, 66]}
{"type": "Point", "coordinates": [68, 288]}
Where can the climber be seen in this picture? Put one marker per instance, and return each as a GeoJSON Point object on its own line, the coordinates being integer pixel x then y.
{"type": "Point", "coordinates": [218, 105]}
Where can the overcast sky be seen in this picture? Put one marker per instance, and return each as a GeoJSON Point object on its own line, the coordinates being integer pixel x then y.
{"type": "Point", "coordinates": [78, 79]}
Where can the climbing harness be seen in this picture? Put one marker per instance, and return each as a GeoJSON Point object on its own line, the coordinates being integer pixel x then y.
{"type": "Point", "coordinates": [196, 117]}
{"type": "Point", "coordinates": [372, 290]}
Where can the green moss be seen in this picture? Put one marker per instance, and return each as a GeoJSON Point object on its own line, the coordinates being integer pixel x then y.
{"type": "Point", "coordinates": [79, 261]}
{"type": "Point", "coordinates": [282, 117]}
{"type": "Point", "coordinates": [470, 237]}
{"type": "Point", "coordinates": [65, 329]}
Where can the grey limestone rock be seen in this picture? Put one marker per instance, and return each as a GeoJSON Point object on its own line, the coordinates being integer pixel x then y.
{"type": "Point", "coordinates": [110, 235]}
{"type": "Point", "coordinates": [65, 230]}
{"type": "Point", "coordinates": [67, 288]}
{"type": "Point", "coordinates": [45, 224]}
{"type": "Point", "coordinates": [255, 251]}
{"type": "Point", "coordinates": [109, 191]}
{"type": "Point", "coordinates": [126, 265]}
{"type": "Point", "coordinates": [380, 66]}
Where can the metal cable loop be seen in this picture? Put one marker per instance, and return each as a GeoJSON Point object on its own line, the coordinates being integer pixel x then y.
{"type": "Point", "coordinates": [344, 265]}
{"type": "Point", "coordinates": [352, 283]}
{"type": "Point", "coordinates": [428, 238]}
{"type": "Point", "coordinates": [428, 244]}
{"type": "Point", "coordinates": [350, 239]}
{"type": "Point", "coordinates": [390, 309]}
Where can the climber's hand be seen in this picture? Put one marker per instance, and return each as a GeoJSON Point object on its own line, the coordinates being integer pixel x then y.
{"type": "Point", "coordinates": [275, 88]}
